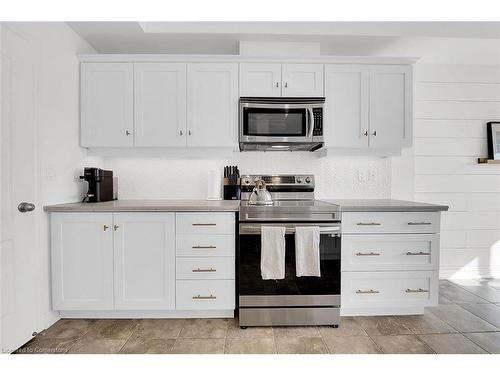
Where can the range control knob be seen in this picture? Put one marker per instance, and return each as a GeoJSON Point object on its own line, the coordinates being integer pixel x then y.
{"type": "Point", "coordinates": [299, 180]}
{"type": "Point", "coordinates": [308, 179]}
{"type": "Point", "coordinates": [247, 181]}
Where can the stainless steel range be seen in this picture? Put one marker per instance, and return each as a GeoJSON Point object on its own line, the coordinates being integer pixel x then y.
{"type": "Point", "coordinates": [292, 300]}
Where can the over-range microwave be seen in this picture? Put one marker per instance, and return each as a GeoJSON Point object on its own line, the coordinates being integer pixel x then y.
{"type": "Point", "coordinates": [281, 124]}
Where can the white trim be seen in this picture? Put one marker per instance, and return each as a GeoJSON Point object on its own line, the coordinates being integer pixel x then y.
{"type": "Point", "coordinates": [381, 311]}
{"type": "Point", "coordinates": [141, 314]}
{"type": "Point", "coordinates": [235, 58]}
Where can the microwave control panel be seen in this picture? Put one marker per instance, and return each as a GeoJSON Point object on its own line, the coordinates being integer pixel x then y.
{"type": "Point", "coordinates": [318, 122]}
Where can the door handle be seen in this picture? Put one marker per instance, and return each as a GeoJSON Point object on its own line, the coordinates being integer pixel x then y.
{"type": "Point", "coordinates": [205, 297]}
{"type": "Point", "coordinates": [311, 122]}
{"type": "Point", "coordinates": [417, 253]}
{"type": "Point", "coordinates": [419, 290]}
{"type": "Point", "coordinates": [204, 270]}
{"type": "Point", "coordinates": [370, 254]}
{"type": "Point", "coordinates": [369, 291]}
{"type": "Point", "coordinates": [25, 207]}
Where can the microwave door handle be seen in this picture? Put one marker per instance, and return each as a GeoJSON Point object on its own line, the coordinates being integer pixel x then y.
{"type": "Point", "coordinates": [311, 122]}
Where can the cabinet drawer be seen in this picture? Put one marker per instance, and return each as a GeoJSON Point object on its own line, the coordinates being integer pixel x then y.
{"type": "Point", "coordinates": [205, 223]}
{"type": "Point", "coordinates": [389, 289]}
{"type": "Point", "coordinates": [381, 252]}
{"type": "Point", "coordinates": [219, 268]}
{"type": "Point", "coordinates": [390, 222]}
{"type": "Point", "coordinates": [205, 295]}
{"type": "Point", "coordinates": [201, 245]}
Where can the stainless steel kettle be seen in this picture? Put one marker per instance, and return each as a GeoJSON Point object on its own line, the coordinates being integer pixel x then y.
{"type": "Point", "coordinates": [260, 195]}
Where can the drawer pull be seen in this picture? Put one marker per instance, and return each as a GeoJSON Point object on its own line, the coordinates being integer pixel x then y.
{"type": "Point", "coordinates": [204, 247]}
{"type": "Point", "coordinates": [368, 224]}
{"type": "Point", "coordinates": [370, 254]}
{"type": "Point", "coordinates": [419, 223]}
{"type": "Point", "coordinates": [417, 253]}
{"type": "Point", "coordinates": [204, 224]}
{"type": "Point", "coordinates": [419, 290]}
{"type": "Point", "coordinates": [205, 297]}
{"type": "Point", "coordinates": [371, 291]}
{"type": "Point", "coordinates": [204, 270]}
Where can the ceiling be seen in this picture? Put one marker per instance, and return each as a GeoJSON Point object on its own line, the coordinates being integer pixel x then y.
{"type": "Point", "coordinates": [223, 37]}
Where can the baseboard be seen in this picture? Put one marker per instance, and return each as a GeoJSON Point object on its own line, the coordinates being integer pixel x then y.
{"type": "Point", "coordinates": [451, 273]}
{"type": "Point", "coordinates": [381, 311]}
{"type": "Point", "coordinates": [147, 314]}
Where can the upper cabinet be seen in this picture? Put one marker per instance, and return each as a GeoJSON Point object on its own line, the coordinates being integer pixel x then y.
{"type": "Point", "coordinates": [288, 80]}
{"type": "Point", "coordinates": [368, 106]}
{"type": "Point", "coordinates": [260, 79]}
{"type": "Point", "coordinates": [160, 105]}
{"type": "Point", "coordinates": [212, 102]}
{"type": "Point", "coordinates": [107, 105]}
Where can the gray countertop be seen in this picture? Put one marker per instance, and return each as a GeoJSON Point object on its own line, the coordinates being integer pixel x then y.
{"type": "Point", "coordinates": [171, 205]}
{"type": "Point", "coordinates": [147, 205]}
{"type": "Point", "coordinates": [384, 205]}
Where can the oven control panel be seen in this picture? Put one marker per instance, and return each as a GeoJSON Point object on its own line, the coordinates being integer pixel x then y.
{"type": "Point", "coordinates": [279, 180]}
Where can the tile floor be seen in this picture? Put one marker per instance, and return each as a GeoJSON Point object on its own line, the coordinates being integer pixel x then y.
{"type": "Point", "coordinates": [467, 320]}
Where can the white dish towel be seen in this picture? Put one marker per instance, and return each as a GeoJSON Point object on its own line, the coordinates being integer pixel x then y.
{"type": "Point", "coordinates": [307, 260]}
{"type": "Point", "coordinates": [272, 253]}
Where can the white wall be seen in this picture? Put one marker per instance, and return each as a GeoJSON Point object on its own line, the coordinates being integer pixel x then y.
{"type": "Point", "coordinates": [57, 117]}
{"type": "Point", "coordinates": [453, 104]}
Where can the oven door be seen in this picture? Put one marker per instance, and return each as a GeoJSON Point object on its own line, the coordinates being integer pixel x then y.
{"type": "Point", "coordinates": [276, 123]}
{"type": "Point", "coordinates": [292, 290]}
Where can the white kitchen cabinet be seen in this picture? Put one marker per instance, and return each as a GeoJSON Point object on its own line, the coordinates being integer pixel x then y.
{"type": "Point", "coordinates": [390, 106]}
{"type": "Point", "coordinates": [160, 105]}
{"type": "Point", "coordinates": [302, 80]}
{"type": "Point", "coordinates": [368, 106]}
{"type": "Point", "coordinates": [260, 79]}
{"type": "Point", "coordinates": [144, 261]}
{"type": "Point", "coordinates": [346, 105]}
{"type": "Point", "coordinates": [82, 261]}
{"type": "Point", "coordinates": [273, 80]}
{"type": "Point", "coordinates": [212, 102]}
{"type": "Point", "coordinates": [106, 105]}
{"type": "Point", "coordinates": [390, 262]}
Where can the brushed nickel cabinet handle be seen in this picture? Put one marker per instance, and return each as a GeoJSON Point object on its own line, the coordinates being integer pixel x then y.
{"type": "Point", "coordinates": [115, 227]}
{"type": "Point", "coordinates": [365, 133]}
{"type": "Point", "coordinates": [368, 224]}
{"type": "Point", "coordinates": [417, 253]}
{"type": "Point", "coordinates": [204, 247]}
{"type": "Point", "coordinates": [205, 297]}
{"type": "Point", "coordinates": [419, 223]}
{"type": "Point", "coordinates": [370, 291]}
{"type": "Point", "coordinates": [419, 290]}
{"type": "Point", "coordinates": [204, 270]}
{"type": "Point", "coordinates": [374, 133]}
{"type": "Point", "coordinates": [104, 227]}
{"type": "Point", "coordinates": [181, 133]}
{"type": "Point", "coordinates": [204, 224]}
{"type": "Point", "coordinates": [286, 84]}
{"type": "Point", "coordinates": [277, 84]}
{"type": "Point", "coordinates": [370, 254]}
{"type": "Point", "coordinates": [127, 132]}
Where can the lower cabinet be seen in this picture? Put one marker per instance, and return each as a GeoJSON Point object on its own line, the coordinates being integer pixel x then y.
{"type": "Point", "coordinates": [82, 261]}
{"type": "Point", "coordinates": [144, 261]}
{"type": "Point", "coordinates": [127, 262]}
{"type": "Point", "coordinates": [390, 262]}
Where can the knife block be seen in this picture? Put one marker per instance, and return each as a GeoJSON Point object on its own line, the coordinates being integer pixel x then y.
{"type": "Point", "coordinates": [232, 192]}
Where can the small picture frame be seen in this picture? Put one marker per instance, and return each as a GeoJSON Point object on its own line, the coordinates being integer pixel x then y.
{"type": "Point", "coordinates": [493, 140]}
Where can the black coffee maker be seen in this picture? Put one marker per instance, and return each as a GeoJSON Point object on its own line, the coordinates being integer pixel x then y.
{"type": "Point", "coordinates": [100, 185]}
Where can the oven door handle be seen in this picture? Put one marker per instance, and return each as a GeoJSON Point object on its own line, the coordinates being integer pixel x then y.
{"type": "Point", "coordinates": [256, 229]}
{"type": "Point", "coordinates": [311, 122]}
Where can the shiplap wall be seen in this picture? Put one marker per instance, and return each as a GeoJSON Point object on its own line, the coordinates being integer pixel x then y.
{"type": "Point", "coordinates": [453, 104]}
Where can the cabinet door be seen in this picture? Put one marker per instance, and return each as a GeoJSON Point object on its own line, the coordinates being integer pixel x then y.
{"type": "Point", "coordinates": [144, 257]}
{"type": "Point", "coordinates": [346, 106]}
{"type": "Point", "coordinates": [390, 106]}
{"type": "Point", "coordinates": [302, 80]}
{"type": "Point", "coordinates": [260, 79]}
{"type": "Point", "coordinates": [212, 103]}
{"type": "Point", "coordinates": [160, 105]}
{"type": "Point", "coordinates": [82, 261]}
{"type": "Point", "coordinates": [106, 104]}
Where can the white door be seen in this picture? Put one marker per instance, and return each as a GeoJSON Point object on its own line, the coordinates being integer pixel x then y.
{"type": "Point", "coordinates": [106, 104]}
{"type": "Point", "coordinates": [82, 261]}
{"type": "Point", "coordinates": [346, 106]}
{"type": "Point", "coordinates": [302, 80]}
{"type": "Point", "coordinates": [144, 253]}
{"type": "Point", "coordinates": [160, 105]}
{"type": "Point", "coordinates": [20, 251]}
{"type": "Point", "coordinates": [390, 106]}
{"type": "Point", "coordinates": [260, 79]}
{"type": "Point", "coordinates": [212, 105]}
